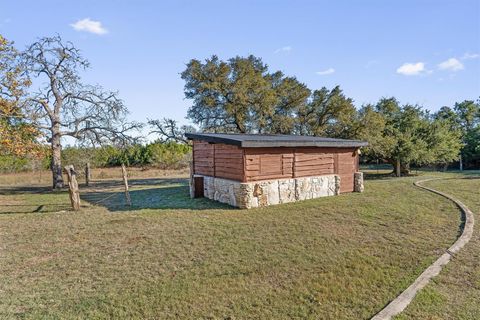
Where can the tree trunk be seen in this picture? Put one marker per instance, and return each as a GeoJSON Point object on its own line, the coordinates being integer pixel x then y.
{"type": "Point", "coordinates": [56, 165]}
{"type": "Point", "coordinates": [87, 174]}
{"type": "Point", "coordinates": [398, 171]}
{"type": "Point", "coordinates": [461, 163]}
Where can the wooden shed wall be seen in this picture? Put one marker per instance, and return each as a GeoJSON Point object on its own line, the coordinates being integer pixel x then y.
{"type": "Point", "coordinates": [255, 164]}
{"type": "Point", "coordinates": [218, 160]}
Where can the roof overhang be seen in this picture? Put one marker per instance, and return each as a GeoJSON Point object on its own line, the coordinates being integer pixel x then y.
{"type": "Point", "coordinates": [275, 141]}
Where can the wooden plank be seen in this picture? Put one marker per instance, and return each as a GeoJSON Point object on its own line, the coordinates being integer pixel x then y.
{"type": "Point", "coordinates": [220, 161]}
{"type": "Point", "coordinates": [328, 169]}
{"type": "Point", "coordinates": [313, 173]}
{"type": "Point", "coordinates": [204, 153]}
{"type": "Point", "coordinates": [313, 170]}
{"type": "Point", "coordinates": [302, 157]}
{"type": "Point", "coordinates": [204, 172]}
{"type": "Point", "coordinates": [228, 156]}
{"type": "Point", "coordinates": [313, 163]}
{"type": "Point", "coordinates": [267, 177]}
{"type": "Point", "coordinates": [229, 169]}
{"type": "Point", "coordinates": [205, 161]}
{"type": "Point", "coordinates": [236, 177]}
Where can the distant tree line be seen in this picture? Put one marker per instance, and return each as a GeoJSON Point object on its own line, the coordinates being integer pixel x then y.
{"type": "Point", "coordinates": [162, 155]}
{"type": "Point", "coordinates": [238, 95]}
{"type": "Point", "coordinates": [241, 95]}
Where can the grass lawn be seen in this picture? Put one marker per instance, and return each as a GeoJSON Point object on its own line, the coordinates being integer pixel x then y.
{"type": "Point", "coordinates": [455, 293]}
{"type": "Point", "coordinates": [170, 256]}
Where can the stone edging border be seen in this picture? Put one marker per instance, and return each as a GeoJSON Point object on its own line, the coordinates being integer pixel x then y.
{"type": "Point", "coordinates": [397, 305]}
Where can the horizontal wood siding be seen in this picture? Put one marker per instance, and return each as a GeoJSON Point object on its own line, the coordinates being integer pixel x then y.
{"type": "Point", "coordinates": [313, 162]}
{"type": "Point", "coordinates": [268, 163]}
{"type": "Point", "coordinates": [203, 158]}
{"type": "Point", "coordinates": [347, 165]}
{"type": "Point", "coordinates": [255, 164]}
{"type": "Point", "coordinates": [228, 162]}
{"type": "Point", "coordinates": [218, 160]}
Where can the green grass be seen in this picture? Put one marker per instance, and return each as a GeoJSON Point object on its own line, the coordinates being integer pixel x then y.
{"type": "Point", "coordinates": [172, 257]}
{"type": "Point", "coordinates": [455, 293]}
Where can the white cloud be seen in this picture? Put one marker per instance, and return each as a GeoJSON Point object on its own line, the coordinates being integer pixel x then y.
{"type": "Point", "coordinates": [469, 55]}
{"type": "Point", "coordinates": [325, 72]}
{"type": "Point", "coordinates": [283, 49]}
{"type": "Point", "coordinates": [411, 69]}
{"type": "Point", "coordinates": [89, 25]}
{"type": "Point", "coordinates": [451, 64]}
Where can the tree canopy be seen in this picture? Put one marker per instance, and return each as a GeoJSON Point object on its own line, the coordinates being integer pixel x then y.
{"type": "Point", "coordinates": [18, 136]}
{"type": "Point", "coordinates": [402, 135]}
{"type": "Point", "coordinates": [242, 95]}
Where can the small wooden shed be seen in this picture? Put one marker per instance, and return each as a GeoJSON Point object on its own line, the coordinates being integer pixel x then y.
{"type": "Point", "coordinates": [252, 170]}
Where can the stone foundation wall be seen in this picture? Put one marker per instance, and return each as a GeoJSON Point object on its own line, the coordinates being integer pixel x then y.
{"type": "Point", "coordinates": [269, 192]}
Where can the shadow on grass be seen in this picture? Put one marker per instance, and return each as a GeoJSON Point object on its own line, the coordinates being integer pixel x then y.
{"type": "Point", "coordinates": [5, 191]}
{"type": "Point", "coordinates": [146, 193]}
{"type": "Point", "coordinates": [163, 197]}
{"type": "Point", "coordinates": [157, 182]}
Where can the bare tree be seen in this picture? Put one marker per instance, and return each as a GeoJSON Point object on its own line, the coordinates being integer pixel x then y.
{"type": "Point", "coordinates": [64, 106]}
{"type": "Point", "coordinates": [168, 130]}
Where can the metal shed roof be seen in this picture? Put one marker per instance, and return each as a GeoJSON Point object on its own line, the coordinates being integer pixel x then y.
{"type": "Point", "coordinates": [274, 140]}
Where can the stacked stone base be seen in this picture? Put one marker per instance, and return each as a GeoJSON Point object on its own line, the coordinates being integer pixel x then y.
{"type": "Point", "coordinates": [269, 192]}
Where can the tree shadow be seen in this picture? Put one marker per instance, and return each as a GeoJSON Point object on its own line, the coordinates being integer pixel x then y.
{"type": "Point", "coordinates": [109, 183]}
{"type": "Point", "coordinates": [377, 176]}
{"type": "Point", "coordinates": [161, 194]}
{"type": "Point", "coordinates": [12, 190]}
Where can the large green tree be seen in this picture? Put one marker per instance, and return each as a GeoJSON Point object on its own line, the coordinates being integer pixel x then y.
{"type": "Point", "coordinates": [468, 117]}
{"type": "Point", "coordinates": [464, 118]}
{"type": "Point", "coordinates": [402, 135]}
{"type": "Point", "coordinates": [328, 113]}
{"type": "Point", "coordinates": [241, 95]}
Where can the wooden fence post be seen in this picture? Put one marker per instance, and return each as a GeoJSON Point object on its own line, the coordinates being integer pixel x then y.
{"type": "Point", "coordinates": [125, 182]}
{"type": "Point", "coordinates": [87, 174]}
{"type": "Point", "coordinates": [192, 181]}
{"type": "Point", "coordinates": [73, 187]}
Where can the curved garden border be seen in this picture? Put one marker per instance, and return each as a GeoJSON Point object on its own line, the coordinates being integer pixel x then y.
{"type": "Point", "coordinates": [403, 300]}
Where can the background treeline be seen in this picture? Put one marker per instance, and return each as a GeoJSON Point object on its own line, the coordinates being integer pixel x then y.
{"type": "Point", "coordinates": [238, 95]}
{"type": "Point", "coordinates": [162, 155]}
{"type": "Point", "coordinates": [243, 95]}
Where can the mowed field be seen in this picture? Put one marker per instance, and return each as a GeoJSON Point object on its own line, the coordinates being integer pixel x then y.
{"type": "Point", "coordinates": [172, 257]}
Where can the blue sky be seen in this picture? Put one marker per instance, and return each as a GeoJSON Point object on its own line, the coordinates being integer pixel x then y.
{"type": "Point", "coordinates": [425, 52]}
